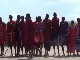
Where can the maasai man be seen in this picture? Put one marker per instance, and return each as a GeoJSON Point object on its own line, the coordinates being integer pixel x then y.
{"type": "Point", "coordinates": [26, 34]}
{"type": "Point", "coordinates": [17, 34]}
{"type": "Point", "coordinates": [2, 35]}
{"type": "Point", "coordinates": [30, 33]}
{"type": "Point", "coordinates": [22, 33]}
{"type": "Point", "coordinates": [39, 27]}
{"type": "Point", "coordinates": [46, 32]}
{"type": "Point", "coordinates": [72, 38]}
{"type": "Point", "coordinates": [78, 36]}
{"type": "Point", "coordinates": [63, 33]}
{"type": "Point", "coordinates": [11, 33]}
{"type": "Point", "coordinates": [55, 32]}
{"type": "Point", "coordinates": [35, 51]}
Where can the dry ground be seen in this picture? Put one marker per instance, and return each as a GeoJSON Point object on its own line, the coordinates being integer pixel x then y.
{"type": "Point", "coordinates": [6, 57]}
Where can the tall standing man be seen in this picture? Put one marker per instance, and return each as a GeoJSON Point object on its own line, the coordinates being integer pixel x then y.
{"type": "Point", "coordinates": [11, 34]}
{"type": "Point", "coordinates": [17, 34]}
{"type": "Point", "coordinates": [22, 33]}
{"type": "Point", "coordinates": [72, 38]}
{"type": "Point", "coordinates": [55, 32]}
{"type": "Point", "coordinates": [39, 27]}
{"type": "Point", "coordinates": [47, 33]}
{"type": "Point", "coordinates": [63, 32]}
{"type": "Point", "coordinates": [30, 33]}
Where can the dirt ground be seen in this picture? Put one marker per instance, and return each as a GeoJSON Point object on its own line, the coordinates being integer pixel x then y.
{"type": "Point", "coordinates": [7, 56]}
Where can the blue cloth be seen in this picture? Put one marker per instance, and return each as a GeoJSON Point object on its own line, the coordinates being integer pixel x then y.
{"type": "Point", "coordinates": [63, 27]}
{"type": "Point", "coordinates": [54, 35]}
{"type": "Point", "coordinates": [54, 38]}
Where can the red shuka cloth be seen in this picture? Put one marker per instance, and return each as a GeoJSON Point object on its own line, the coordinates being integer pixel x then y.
{"type": "Point", "coordinates": [2, 33]}
{"type": "Point", "coordinates": [72, 39]}
{"type": "Point", "coordinates": [10, 30]}
{"type": "Point", "coordinates": [47, 30]}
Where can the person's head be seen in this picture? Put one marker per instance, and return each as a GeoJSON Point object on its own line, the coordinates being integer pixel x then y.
{"type": "Point", "coordinates": [72, 22]}
{"type": "Point", "coordinates": [18, 17]}
{"type": "Point", "coordinates": [36, 19]}
{"type": "Point", "coordinates": [78, 20]}
{"type": "Point", "coordinates": [54, 14]}
{"type": "Point", "coordinates": [63, 19]}
{"type": "Point", "coordinates": [27, 16]}
{"type": "Point", "coordinates": [39, 19]}
{"type": "Point", "coordinates": [0, 20]}
{"type": "Point", "coordinates": [22, 18]}
{"type": "Point", "coordinates": [47, 16]}
{"type": "Point", "coordinates": [10, 17]}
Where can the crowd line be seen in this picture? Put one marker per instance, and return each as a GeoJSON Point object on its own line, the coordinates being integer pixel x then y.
{"type": "Point", "coordinates": [33, 36]}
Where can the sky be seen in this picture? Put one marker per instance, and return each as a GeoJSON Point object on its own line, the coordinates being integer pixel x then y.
{"type": "Point", "coordinates": [70, 9]}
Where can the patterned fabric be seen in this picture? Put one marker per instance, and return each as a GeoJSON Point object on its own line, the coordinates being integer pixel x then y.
{"type": "Point", "coordinates": [39, 27]}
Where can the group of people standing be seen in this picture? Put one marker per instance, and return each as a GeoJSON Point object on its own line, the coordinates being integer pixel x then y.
{"type": "Point", "coordinates": [33, 36]}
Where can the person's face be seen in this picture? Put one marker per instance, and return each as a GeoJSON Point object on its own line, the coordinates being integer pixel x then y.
{"type": "Point", "coordinates": [55, 15]}
{"type": "Point", "coordinates": [18, 18]}
{"type": "Point", "coordinates": [47, 16]}
{"type": "Point", "coordinates": [10, 17]}
{"type": "Point", "coordinates": [72, 22]}
{"type": "Point", "coordinates": [36, 19]}
{"type": "Point", "coordinates": [63, 19]}
{"type": "Point", "coordinates": [78, 20]}
{"type": "Point", "coordinates": [28, 16]}
{"type": "Point", "coordinates": [39, 19]}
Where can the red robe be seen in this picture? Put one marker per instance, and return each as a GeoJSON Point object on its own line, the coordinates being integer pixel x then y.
{"type": "Point", "coordinates": [47, 30]}
{"type": "Point", "coordinates": [2, 33]}
{"type": "Point", "coordinates": [54, 31]}
{"type": "Point", "coordinates": [11, 33]}
{"type": "Point", "coordinates": [55, 24]}
{"type": "Point", "coordinates": [22, 33]}
{"type": "Point", "coordinates": [72, 39]}
{"type": "Point", "coordinates": [39, 27]}
{"type": "Point", "coordinates": [26, 35]}
{"type": "Point", "coordinates": [30, 34]}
